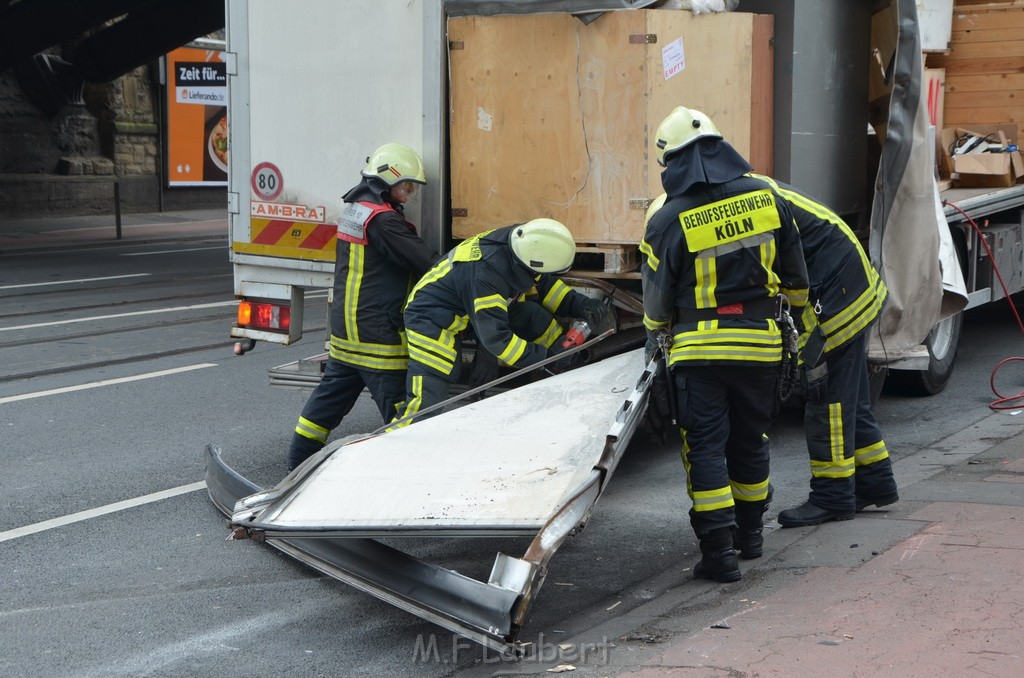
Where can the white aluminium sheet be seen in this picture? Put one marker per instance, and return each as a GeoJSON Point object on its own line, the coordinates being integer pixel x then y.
{"type": "Point", "coordinates": [506, 462]}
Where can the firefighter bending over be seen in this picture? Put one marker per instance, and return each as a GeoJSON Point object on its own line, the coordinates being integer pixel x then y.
{"type": "Point", "coordinates": [503, 284]}
{"type": "Point", "coordinates": [379, 257]}
{"type": "Point", "coordinates": [718, 254]}
{"type": "Point", "coordinates": [850, 464]}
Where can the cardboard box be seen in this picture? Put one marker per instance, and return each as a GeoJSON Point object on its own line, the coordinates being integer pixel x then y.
{"type": "Point", "coordinates": [985, 170]}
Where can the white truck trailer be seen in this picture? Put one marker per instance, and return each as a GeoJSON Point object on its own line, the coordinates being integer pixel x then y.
{"type": "Point", "coordinates": [315, 85]}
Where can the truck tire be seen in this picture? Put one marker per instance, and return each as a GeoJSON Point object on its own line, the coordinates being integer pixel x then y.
{"type": "Point", "coordinates": [877, 375]}
{"type": "Point", "coordinates": [942, 344]}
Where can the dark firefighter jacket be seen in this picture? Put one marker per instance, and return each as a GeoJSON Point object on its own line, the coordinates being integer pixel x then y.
{"type": "Point", "coordinates": [716, 255]}
{"type": "Point", "coordinates": [474, 285]}
{"type": "Point", "coordinates": [379, 257]}
{"type": "Point", "coordinates": [846, 291]}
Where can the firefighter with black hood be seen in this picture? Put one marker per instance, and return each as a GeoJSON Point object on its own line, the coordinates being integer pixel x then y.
{"type": "Point", "coordinates": [503, 285]}
{"type": "Point", "coordinates": [379, 258]}
{"type": "Point", "coordinates": [722, 260]}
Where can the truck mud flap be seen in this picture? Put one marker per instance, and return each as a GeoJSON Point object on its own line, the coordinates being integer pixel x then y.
{"type": "Point", "coordinates": [490, 613]}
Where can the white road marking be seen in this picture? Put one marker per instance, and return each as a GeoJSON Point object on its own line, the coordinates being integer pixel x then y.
{"type": "Point", "coordinates": [191, 249]}
{"type": "Point", "coordinates": [101, 511]}
{"type": "Point", "coordinates": [106, 382]}
{"type": "Point", "coordinates": [119, 315]}
{"type": "Point", "coordinates": [79, 280]}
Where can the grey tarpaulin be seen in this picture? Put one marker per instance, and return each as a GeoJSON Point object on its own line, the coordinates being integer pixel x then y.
{"type": "Point", "coordinates": [905, 227]}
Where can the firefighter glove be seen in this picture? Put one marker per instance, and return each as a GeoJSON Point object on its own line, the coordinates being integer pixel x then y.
{"type": "Point", "coordinates": [815, 382]}
{"type": "Point", "coordinates": [594, 311]}
{"type": "Point", "coordinates": [661, 399]}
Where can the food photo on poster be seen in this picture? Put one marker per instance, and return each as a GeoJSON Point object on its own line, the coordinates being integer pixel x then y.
{"type": "Point", "coordinates": [197, 118]}
{"type": "Point", "coordinates": [215, 166]}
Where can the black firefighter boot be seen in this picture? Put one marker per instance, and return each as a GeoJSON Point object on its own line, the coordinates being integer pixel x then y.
{"type": "Point", "coordinates": [747, 538]}
{"type": "Point", "coordinates": [718, 558]}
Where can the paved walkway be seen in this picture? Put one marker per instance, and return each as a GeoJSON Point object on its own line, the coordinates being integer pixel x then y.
{"type": "Point", "coordinates": [946, 601]}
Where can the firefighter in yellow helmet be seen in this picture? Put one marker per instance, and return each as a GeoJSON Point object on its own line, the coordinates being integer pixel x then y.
{"type": "Point", "coordinates": [717, 256]}
{"type": "Point", "coordinates": [379, 257]}
{"type": "Point", "coordinates": [502, 284]}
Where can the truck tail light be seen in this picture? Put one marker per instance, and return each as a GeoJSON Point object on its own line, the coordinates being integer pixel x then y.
{"type": "Point", "coordinates": [265, 315]}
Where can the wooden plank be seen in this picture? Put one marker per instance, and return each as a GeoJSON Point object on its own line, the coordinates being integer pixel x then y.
{"type": "Point", "coordinates": [981, 5]}
{"type": "Point", "coordinates": [966, 19]}
{"type": "Point", "coordinates": [993, 99]}
{"type": "Point", "coordinates": [1001, 34]}
{"type": "Point", "coordinates": [985, 83]}
{"type": "Point", "coordinates": [986, 115]}
{"type": "Point", "coordinates": [988, 50]}
{"type": "Point", "coordinates": [967, 67]}
{"type": "Point", "coordinates": [994, 20]}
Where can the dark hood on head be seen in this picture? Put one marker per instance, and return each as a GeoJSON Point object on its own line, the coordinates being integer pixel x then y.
{"type": "Point", "coordinates": [372, 189]}
{"type": "Point", "coordinates": [706, 161]}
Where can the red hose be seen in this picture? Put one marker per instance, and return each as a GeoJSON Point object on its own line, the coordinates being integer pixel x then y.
{"type": "Point", "coordinates": [1003, 402]}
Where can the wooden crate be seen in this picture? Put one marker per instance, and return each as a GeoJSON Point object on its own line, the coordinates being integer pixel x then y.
{"type": "Point", "coordinates": [985, 67]}
{"type": "Point", "coordinates": [553, 117]}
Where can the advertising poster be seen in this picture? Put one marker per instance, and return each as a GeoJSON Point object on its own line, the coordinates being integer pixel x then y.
{"type": "Point", "coordinates": [197, 118]}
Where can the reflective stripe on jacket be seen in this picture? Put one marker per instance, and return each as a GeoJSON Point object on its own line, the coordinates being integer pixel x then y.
{"type": "Point", "coordinates": [379, 256]}
{"type": "Point", "coordinates": [714, 249]}
{"type": "Point", "coordinates": [846, 291]}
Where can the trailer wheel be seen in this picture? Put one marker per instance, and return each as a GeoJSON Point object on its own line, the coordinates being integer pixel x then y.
{"type": "Point", "coordinates": [877, 375]}
{"type": "Point", "coordinates": [942, 343]}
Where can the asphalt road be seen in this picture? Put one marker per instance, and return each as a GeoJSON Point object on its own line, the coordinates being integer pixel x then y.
{"type": "Point", "coordinates": [117, 371]}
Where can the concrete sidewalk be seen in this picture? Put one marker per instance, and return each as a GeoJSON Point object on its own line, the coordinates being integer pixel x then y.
{"type": "Point", "coordinates": [26, 235]}
{"type": "Point", "coordinates": [929, 586]}
{"type": "Point", "coordinates": [947, 600]}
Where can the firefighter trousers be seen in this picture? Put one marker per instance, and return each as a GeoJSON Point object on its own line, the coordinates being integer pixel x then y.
{"type": "Point", "coordinates": [724, 416]}
{"type": "Point", "coordinates": [334, 398]}
{"type": "Point", "coordinates": [849, 458]}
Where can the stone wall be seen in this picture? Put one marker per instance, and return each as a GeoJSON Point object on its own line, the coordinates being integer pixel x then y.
{"type": "Point", "coordinates": [67, 163]}
{"type": "Point", "coordinates": [127, 113]}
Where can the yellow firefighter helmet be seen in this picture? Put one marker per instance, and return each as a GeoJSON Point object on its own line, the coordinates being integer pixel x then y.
{"type": "Point", "coordinates": [395, 163]}
{"type": "Point", "coordinates": [543, 245]}
{"type": "Point", "coordinates": [681, 128]}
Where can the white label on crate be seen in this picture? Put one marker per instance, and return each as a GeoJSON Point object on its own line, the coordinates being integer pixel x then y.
{"type": "Point", "coordinates": [672, 58]}
{"type": "Point", "coordinates": [484, 120]}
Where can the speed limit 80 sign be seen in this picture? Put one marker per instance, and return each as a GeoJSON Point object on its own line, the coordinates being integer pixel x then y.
{"type": "Point", "coordinates": [267, 181]}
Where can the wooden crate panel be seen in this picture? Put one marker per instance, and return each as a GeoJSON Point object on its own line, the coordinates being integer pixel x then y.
{"type": "Point", "coordinates": [551, 117]}
{"type": "Point", "coordinates": [985, 67]}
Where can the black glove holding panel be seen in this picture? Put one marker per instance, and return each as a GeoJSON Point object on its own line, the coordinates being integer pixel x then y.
{"type": "Point", "coordinates": [594, 311]}
{"type": "Point", "coordinates": [659, 407]}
